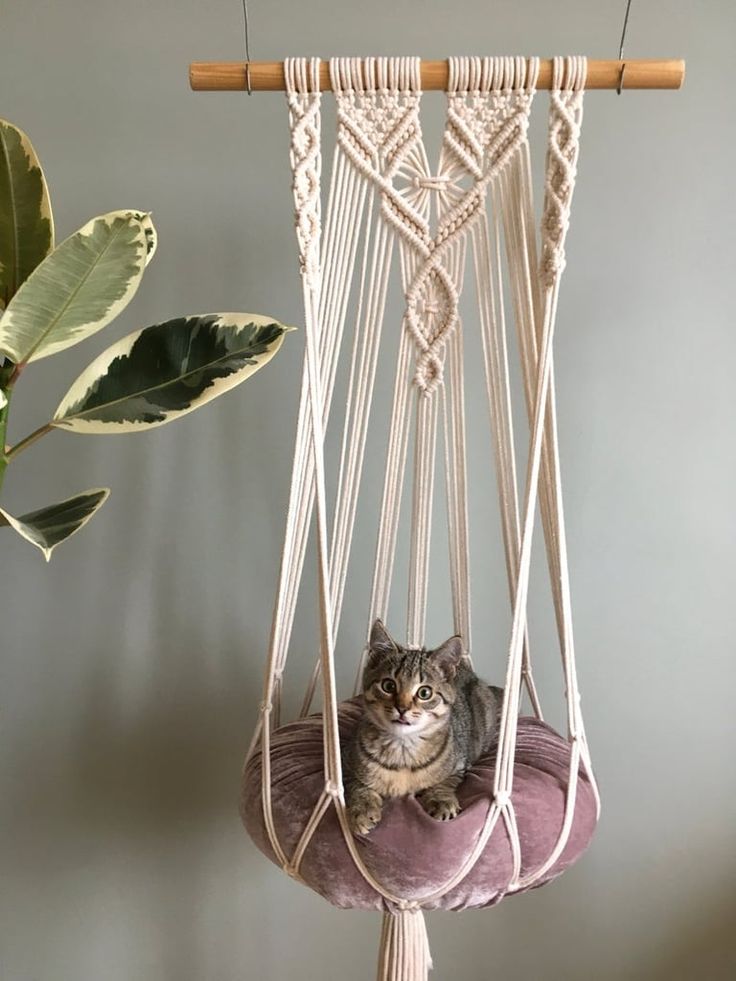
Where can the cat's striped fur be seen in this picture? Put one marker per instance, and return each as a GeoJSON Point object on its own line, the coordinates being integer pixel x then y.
{"type": "Point", "coordinates": [427, 719]}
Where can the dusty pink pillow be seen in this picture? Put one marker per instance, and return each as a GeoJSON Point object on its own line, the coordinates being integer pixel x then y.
{"type": "Point", "coordinates": [409, 852]}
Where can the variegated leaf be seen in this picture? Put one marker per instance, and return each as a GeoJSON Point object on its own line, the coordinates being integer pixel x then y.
{"type": "Point", "coordinates": [151, 237]}
{"type": "Point", "coordinates": [26, 224]}
{"type": "Point", "coordinates": [48, 527]}
{"type": "Point", "coordinates": [77, 290]}
{"type": "Point", "coordinates": [162, 372]}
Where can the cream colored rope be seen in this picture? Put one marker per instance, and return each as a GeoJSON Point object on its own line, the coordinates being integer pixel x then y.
{"type": "Point", "coordinates": [381, 194]}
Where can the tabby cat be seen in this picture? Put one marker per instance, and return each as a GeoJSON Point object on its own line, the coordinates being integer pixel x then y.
{"type": "Point", "coordinates": [427, 718]}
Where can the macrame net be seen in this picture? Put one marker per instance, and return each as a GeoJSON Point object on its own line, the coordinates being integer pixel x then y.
{"type": "Point", "coordinates": [477, 206]}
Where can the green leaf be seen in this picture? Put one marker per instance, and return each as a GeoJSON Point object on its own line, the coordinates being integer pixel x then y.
{"type": "Point", "coordinates": [26, 224]}
{"type": "Point", "coordinates": [162, 372]}
{"type": "Point", "coordinates": [77, 290]}
{"type": "Point", "coordinates": [150, 232]}
{"type": "Point", "coordinates": [50, 526]}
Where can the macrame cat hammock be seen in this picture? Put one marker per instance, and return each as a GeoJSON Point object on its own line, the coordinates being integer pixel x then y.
{"type": "Point", "coordinates": [529, 809]}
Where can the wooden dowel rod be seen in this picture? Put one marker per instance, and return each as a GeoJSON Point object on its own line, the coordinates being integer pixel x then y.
{"type": "Point", "coordinates": [268, 76]}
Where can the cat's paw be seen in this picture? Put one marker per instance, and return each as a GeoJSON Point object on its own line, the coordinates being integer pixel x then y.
{"type": "Point", "coordinates": [441, 805]}
{"type": "Point", "coordinates": [364, 816]}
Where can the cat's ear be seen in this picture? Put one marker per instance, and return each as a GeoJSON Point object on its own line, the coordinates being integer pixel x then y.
{"type": "Point", "coordinates": [448, 655]}
{"type": "Point", "coordinates": [381, 642]}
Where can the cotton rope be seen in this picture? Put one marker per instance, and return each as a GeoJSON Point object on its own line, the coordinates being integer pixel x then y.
{"type": "Point", "coordinates": [380, 201]}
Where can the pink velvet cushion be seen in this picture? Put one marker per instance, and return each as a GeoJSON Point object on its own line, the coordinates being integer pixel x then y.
{"type": "Point", "coordinates": [410, 853]}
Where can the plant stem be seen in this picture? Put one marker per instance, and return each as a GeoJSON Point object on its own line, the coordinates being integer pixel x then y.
{"type": "Point", "coordinates": [28, 441]}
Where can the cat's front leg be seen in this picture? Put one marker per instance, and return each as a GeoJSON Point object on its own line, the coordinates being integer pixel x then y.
{"type": "Point", "coordinates": [364, 807]}
{"type": "Point", "coordinates": [440, 801]}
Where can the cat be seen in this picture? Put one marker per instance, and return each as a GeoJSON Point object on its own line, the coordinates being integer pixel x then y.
{"type": "Point", "coordinates": [427, 718]}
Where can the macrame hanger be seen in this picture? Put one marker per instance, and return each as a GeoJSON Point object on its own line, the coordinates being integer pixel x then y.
{"type": "Point", "coordinates": [381, 199]}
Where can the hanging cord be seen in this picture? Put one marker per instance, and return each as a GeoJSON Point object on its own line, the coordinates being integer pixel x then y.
{"type": "Point", "coordinates": [246, 34]}
{"type": "Point", "coordinates": [621, 48]}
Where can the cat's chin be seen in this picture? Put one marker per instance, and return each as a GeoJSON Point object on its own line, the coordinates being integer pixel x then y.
{"type": "Point", "coordinates": [397, 728]}
{"type": "Point", "coordinates": [403, 730]}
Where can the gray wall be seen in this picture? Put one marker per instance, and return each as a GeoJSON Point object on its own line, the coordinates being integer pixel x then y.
{"type": "Point", "coordinates": [131, 665]}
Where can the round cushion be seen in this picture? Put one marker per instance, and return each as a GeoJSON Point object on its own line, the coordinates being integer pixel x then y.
{"type": "Point", "coordinates": [410, 853]}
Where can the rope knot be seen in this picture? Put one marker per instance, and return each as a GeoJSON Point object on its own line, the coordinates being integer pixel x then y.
{"type": "Point", "coordinates": [408, 906]}
{"type": "Point", "coordinates": [553, 264]}
{"type": "Point", "coordinates": [502, 798]}
{"type": "Point", "coordinates": [429, 183]}
{"type": "Point", "coordinates": [333, 789]}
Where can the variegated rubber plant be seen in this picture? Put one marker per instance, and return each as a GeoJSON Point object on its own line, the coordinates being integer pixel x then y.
{"type": "Point", "coordinates": [54, 297]}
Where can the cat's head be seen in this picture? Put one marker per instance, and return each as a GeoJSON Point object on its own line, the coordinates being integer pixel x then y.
{"type": "Point", "coordinates": [409, 691]}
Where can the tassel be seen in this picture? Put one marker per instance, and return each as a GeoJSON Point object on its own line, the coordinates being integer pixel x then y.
{"type": "Point", "coordinates": [404, 952]}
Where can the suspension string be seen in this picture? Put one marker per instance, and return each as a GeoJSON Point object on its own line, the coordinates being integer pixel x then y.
{"type": "Point", "coordinates": [620, 85]}
{"type": "Point", "coordinates": [493, 334]}
{"type": "Point", "coordinates": [360, 396]}
{"type": "Point", "coordinates": [246, 38]}
{"type": "Point", "coordinates": [453, 411]}
{"type": "Point", "coordinates": [425, 447]}
{"type": "Point", "coordinates": [396, 454]}
{"type": "Point", "coordinates": [344, 194]}
{"type": "Point", "coordinates": [339, 261]}
{"type": "Point", "coordinates": [346, 204]}
{"type": "Point", "coordinates": [521, 255]}
{"type": "Point", "coordinates": [368, 335]}
{"type": "Point", "coordinates": [551, 489]}
{"type": "Point", "coordinates": [304, 119]}
{"type": "Point", "coordinates": [355, 80]}
{"type": "Point", "coordinates": [518, 223]}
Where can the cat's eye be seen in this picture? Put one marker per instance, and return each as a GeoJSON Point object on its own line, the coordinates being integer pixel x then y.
{"type": "Point", "coordinates": [389, 686]}
{"type": "Point", "coordinates": [424, 693]}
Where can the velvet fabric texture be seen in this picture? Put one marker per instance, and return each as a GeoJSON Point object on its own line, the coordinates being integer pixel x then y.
{"type": "Point", "coordinates": [409, 852]}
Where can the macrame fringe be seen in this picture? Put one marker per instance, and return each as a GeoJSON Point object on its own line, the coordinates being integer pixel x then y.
{"type": "Point", "coordinates": [404, 953]}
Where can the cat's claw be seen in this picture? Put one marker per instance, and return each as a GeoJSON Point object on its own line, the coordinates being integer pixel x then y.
{"type": "Point", "coordinates": [443, 807]}
{"type": "Point", "coordinates": [364, 821]}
